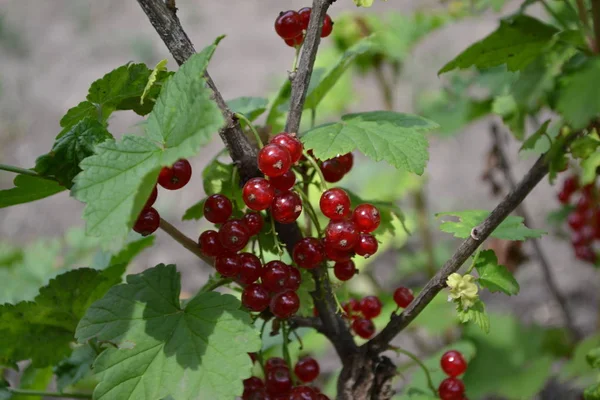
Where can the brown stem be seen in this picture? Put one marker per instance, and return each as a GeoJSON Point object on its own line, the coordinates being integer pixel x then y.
{"type": "Point", "coordinates": [426, 236]}
{"type": "Point", "coordinates": [596, 19]}
{"type": "Point", "coordinates": [185, 241]}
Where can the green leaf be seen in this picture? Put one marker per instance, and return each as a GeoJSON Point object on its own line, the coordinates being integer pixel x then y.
{"type": "Point", "coordinates": [592, 392]}
{"type": "Point", "coordinates": [512, 116]}
{"type": "Point", "coordinates": [162, 348]}
{"type": "Point", "coordinates": [387, 211]}
{"type": "Point", "coordinates": [589, 168]}
{"type": "Point", "coordinates": [307, 285]}
{"type": "Point", "coordinates": [116, 182]}
{"type": "Point", "coordinates": [74, 368]}
{"type": "Point", "coordinates": [578, 101]}
{"type": "Point", "coordinates": [160, 67]}
{"type": "Point", "coordinates": [512, 228]}
{"type": "Point", "coordinates": [363, 3]}
{"type": "Point", "coordinates": [28, 188]}
{"type": "Point", "coordinates": [216, 178]}
{"type": "Point", "coordinates": [129, 252]}
{"type": "Point", "coordinates": [251, 107]}
{"type": "Point", "coordinates": [495, 277]}
{"type": "Point", "coordinates": [36, 379]}
{"type": "Point", "coordinates": [578, 366]}
{"type": "Point", "coordinates": [531, 141]}
{"type": "Point", "coordinates": [381, 135]}
{"type": "Point", "coordinates": [195, 212]}
{"type": "Point", "coordinates": [584, 147]}
{"type": "Point", "coordinates": [475, 314]}
{"type": "Point", "coordinates": [593, 358]}
{"type": "Point", "coordinates": [516, 43]}
{"type": "Point", "coordinates": [83, 110]}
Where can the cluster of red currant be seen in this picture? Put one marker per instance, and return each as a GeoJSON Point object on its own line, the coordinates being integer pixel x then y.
{"type": "Point", "coordinates": [278, 383]}
{"type": "Point", "coordinates": [291, 26]}
{"type": "Point", "coordinates": [335, 168]}
{"type": "Point", "coordinates": [584, 220]}
{"type": "Point", "coordinates": [453, 364]}
{"type": "Point", "coordinates": [171, 178]}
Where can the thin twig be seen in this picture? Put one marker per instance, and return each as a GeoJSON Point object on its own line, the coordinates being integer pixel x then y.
{"type": "Point", "coordinates": [23, 392]}
{"type": "Point", "coordinates": [23, 171]}
{"type": "Point", "coordinates": [185, 241]}
{"type": "Point", "coordinates": [305, 322]}
{"type": "Point", "coordinates": [420, 363]}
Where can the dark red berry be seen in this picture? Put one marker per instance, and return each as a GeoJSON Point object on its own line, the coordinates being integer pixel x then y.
{"type": "Point", "coordinates": [332, 170]}
{"type": "Point", "coordinates": [366, 246]}
{"type": "Point", "coordinates": [152, 199]}
{"type": "Point", "coordinates": [228, 265]}
{"type": "Point", "coordinates": [335, 204]}
{"type": "Point", "coordinates": [308, 253]}
{"type": "Point", "coordinates": [274, 362]}
{"type": "Point", "coordinates": [234, 235]}
{"type": "Point", "coordinates": [255, 297]}
{"type": "Point", "coordinates": [278, 381]}
{"type": "Point", "coordinates": [250, 268]}
{"type": "Point", "coordinates": [583, 236]}
{"type": "Point", "coordinates": [327, 27]}
{"type": "Point", "coordinates": [576, 220]}
{"type": "Point", "coordinates": [403, 296]}
{"type": "Point", "coordinates": [294, 280]}
{"type": "Point", "coordinates": [563, 197]}
{"type": "Point", "coordinates": [285, 304]}
{"type": "Point", "coordinates": [363, 327]}
{"type": "Point", "coordinates": [303, 393]}
{"type": "Point", "coordinates": [252, 385]}
{"type": "Point", "coordinates": [295, 42]}
{"type": "Point", "coordinates": [570, 185]}
{"type": "Point", "coordinates": [217, 208]}
{"type": "Point", "coordinates": [347, 161]}
{"type": "Point", "coordinates": [304, 14]}
{"type": "Point", "coordinates": [307, 369]}
{"type": "Point", "coordinates": [284, 182]}
{"type": "Point", "coordinates": [210, 245]}
{"type": "Point", "coordinates": [335, 254]}
{"type": "Point", "coordinates": [370, 307]}
{"type": "Point", "coordinates": [351, 308]}
{"type": "Point", "coordinates": [253, 357]}
{"type": "Point", "coordinates": [286, 207]}
{"type": "Point", "coordinates": [341, 235]}
{"type": "Point", "coordinates": [176, 176]}
{"type": "Point", "coordinates": [274, 160]}
{"type": "Point", "coordinates": [148, 222]}
{"type": "Point", "coordinates": [584, 203]}
{"type": "Point", "coordinates": [290, 143]}
{"type": "Point", "coordinates": [451, 389]}
{"type": "Point", "coordinates": [275, 276]}
{"type": "Point", "coordinates": [453, 363]}
{"type": "Point", "coordinates": [254, 222]}
{"type": "Point", "coordinates": [288, 24]}
{"type": "Point", "coordinates": [258, 194]}
{"type": "Point", "coordinates": [344, 270]}
{"type": "Point", "coordinates": [585, 253]}
{"type": "Point", "coordinates": [366, 218]}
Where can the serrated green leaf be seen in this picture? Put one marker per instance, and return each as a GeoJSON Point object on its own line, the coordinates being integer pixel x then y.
{"type": "Point", "coordinates": [28, 188]}
{"type": "Point", "coordinates": [592, 392]}
{"type": "Point", "coordinates": [578, 102]}
{"type": "Point", "coordinates": [83, 110]}
{"type": "Point", "coordinates": [387, 212]}
{"type": "Point", "coordinates": [381, 135]}
{"type": "Point", "coordinates": [251, 107]}
{"type": "Point", "coordinates": [512, 115]}
{"type": "Point", "coordinates": [584, 147]}
{"type": "Point", "coordinates": [512, 228]}
{"type": "Point", "coordinates": [74, 368]}
{"type": "Point", "coordinates": [475, 314]}
{"type": "Point", "coordinates": [593, 358]}
{"type": "Point", "coordinates": [516, 43]}
{"type": "Point", "coordinates": [195, 212]}
{"type": "Point", "coordinates": [531, 141]}
{"type": "Point", "coordinates": [192, 352]}
{"type": "Point", "coordinates": [131, 250]}
{"type": "Point", "coordinates": [160, 67]}
{"type": "Point", "coordinates": [589, 168]}
{"type": "Point", "coordinates": [495, 277]}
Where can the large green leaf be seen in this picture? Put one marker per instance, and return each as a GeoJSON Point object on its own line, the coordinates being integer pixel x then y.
{"type": "Point", "coordinates": [476, 314]}
{"type": "Point", "coordinates": [381, 135]}
{"type": "Point", "coordinates": [495, 277]}
{"type": "Point", "coordinates": [512, 228]}
{"type": "Point", "coordinates": [28, 188]}
{"type": "Point", "coordinates": [251, 107]}
{"type": "Point", "coordinates": [193, 352]}
{"type": "Point", "coordinates": [74, 368]}
{"type": "Point", "coordinates": [578, 101]}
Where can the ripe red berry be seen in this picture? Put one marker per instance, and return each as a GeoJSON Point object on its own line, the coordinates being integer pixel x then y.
{"type": "Point", "coordinates": [304, 14]}
{"type": "Point", "coordinates": [295, 42]}
{"type": "Point", "coordinates": [176, 176]}
{"type": "Point", "coordinates": [451, 389]}
{"type": "Point", "coordinates": [254, 222]}
{"type": "Point", "coordinates": [148, 222]}
{"type": "Point", "coordinates": [227, 265]}
{"type": "Point", "coordinates": [335, 254]}
{"type": "Point", "coordinates": [289, 142]}
{"type": "Point", "coordinates": [303, 393]}
{"type": "Point", "coordinates": [576, 220]}
{"type": "Point", "coordinates": [217, 208]}
{"type": "Point", "coordinates": [285, 304]}
{"type": "Point", "coordinates": [363, 327]}
{"type": "Point", "coordinates": [585, 253]}
{"type": "Point", "coordinates": [152, 199]}
{"type": "Point", "coordinates": [288, 24]}
{"type": "Point", "coordinates": [321, 396]}
{"type": "Point", "coordinates": [403, 296]}
{"type": "Point", "coordinates": [366, 246]}
{"type": "Point", "coordinates": [563, 197]}
{"type": "Point", "coordinates": [258, 194]}
{"type": "Point", "coordinates": [251, 386]}
{"type": "Point", "coordinates": [307, 369]}
{"type": "Point", "coordinates": [346, 161]}
{"type": "Point", "coordinates": [335, 204]}
{"type": "Point", "coordinates": [584, 203]}
{"type": "Point", "coordinates": [370, 307]}
{"type": "Point", "coordinates": [453, 363]}
{"type": "Point", "coordinates": [209, 244]}
{"type": "Point", "coordinates": [351, 308]}
{"type": "Point", "coordinates": [583, 236]}
{"type": "Point", "coordinates": [274, 362]}
{"type": "Point", "coordinates": [255, 297]}
{"type": "Point", "coordinates": [274, 160]}
{"type": "Point", "coordinates": [286, 207]}
{"type": "Point", "coordinates": [308, 253]}
{"type": "Point", "coordinates": [234, 235]}
{"type": "Point", "coordinates": [284, 182]}
{"type": "Point", "coordinates": [341, 235]}
{"type": "Point", "coordinates": [278, 381]}
{"type": "Point", "coordinates": [250, 268]}
{"type": "Point", "coordinates": [275, 276]}
{"type": "Point", "coordinates": [332, 170]}
{"type": "Point", "coordinates": [327, 27]}
{"type": "Point", "coordinates": [294, 280]}
{"type": "Point", "coordinates": [366, 218]}
{"type": "Point", "coordinates": [570, 185]}
{"type": "Point", "coordinates": [344, 270]}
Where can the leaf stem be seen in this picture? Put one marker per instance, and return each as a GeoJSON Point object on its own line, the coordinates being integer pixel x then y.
{"type": "Point", "coordinates": [254, 131]}
{"type": "Point", "coordinates": [311, 212]}
{"type": "Point", "coordinates": [317, 170]}
{"type": "Point", "coordinates": [420, 363]}
{"type": "Point", "coordinates": [24, 392]}
{"type": "Point", "coordinates": [554, 15]}
{"type": "Point", "coordinates": [285, 332]}
{"type": "Point", "coordinates": [210, 286]}
{"type": "Point", "coordinates": [276, 236]}
{"type": "Point", "coordinates": [182, 239]}
{"type": "Point", "coordinates": [296, 58]}
{"type": "Point", "coordinates": [313, 117]}
{"type": "Point", "coordinates": [23, 171]}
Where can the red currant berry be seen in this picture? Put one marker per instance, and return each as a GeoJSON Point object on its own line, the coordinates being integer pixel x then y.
{"type": "Point", "coordinates": [335, 254]}
{"type": "Point", "coordinates": [366, 218]}
{"type": "Point", "coordinates": [335, 204]}
{"type": "Point", "coordinates": [351, 308]}
{"type": "Point", "coordinates": [304, 14]}
{"type": "Point", "coordinates": [308, 253]}
{"type": "Point", "coordinates": [453, 363]}
{"type": "Point", "coordinates": [583, 236]}
{"type": "Point", "coordinates": [284, 182]}
{"type": "Point", "coordinates": [285, 304]}
{"type": "Point", "coordinates": [275, 276]}
{"type": "Point", "coordinates": [251, 386]}
{"type": "Point", "coordinates": [286, 207]}
{"type": "Point", "coordinates": [303, 393]}
{"type": "Point", "coordinates": [370, 307]}
{"type": "Point", "coordinates": [289, 141]}
{"type": "Point", "coordinates": [307, 369]}
{"type": "Point", "coordinates": [327, 27]}
{"type": "Point", "coordinates": [288, 24]}
{"type": "Point", "coordinates": [332, 170]}
{"type": "Point", "coordinates": [584, 203]}
{"type": "Point", "coordinates": [234, 235]}
{"type": "Point", "coordinates": [176, 176]}
{"type": "Point", "coordinates": [367, 245]}
{"type": "Point", "coordinates": [570, 185]}
{"type": "Point", "coordinates": [258, 194]}
{"type": "Point", "coordinates": [210, 245]}
{"type": "Point", "coordinates": [274, 160]}
{"type": "Point", "coordinates": [278, 381]}
{"type": "Point", "coordinates": [254, 222]}
{"type": "Point", "coordinates": [576, 221]}
{"type": "Point", "coordinates": [252, 357]}
{"type": "Point", "coordinates": [152, 199]}
{"type": "Point", "coordinates": [451, 389]}
{"type": "Point", "coordinates": [274, 362]}
{"type": "Point", "coordinates": [363, 327]}
{"type": "Point", "coordinates": [250, 268]}
{"type": "Point", "coordinates": [341, 235]}
{"type": "Point", "coordinates": [255, 297]}
{"type": "Point", "coordinates": [148, 222]}
{"type": "Point", "coordinates": [228, 265]}
{"type": "Point", "coordinates": [585, 253]}
{"type": "Point", "coordinates": [295, 42]}
{"type": "Point", "coordinates": [217, 208]}
{"type": "Point", "coordinates": [344, 270]}
{"type": "Point", "coordinates": [563, 197]}
{"type": "Point", "coordinates": [295, 279]}
{"type": "Point", "coordinates": [346, 161]}
{"type": "Point", "coordinates": [403, 296]}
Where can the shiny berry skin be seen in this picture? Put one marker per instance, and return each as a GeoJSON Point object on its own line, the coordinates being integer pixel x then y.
{"type": "Point", "coordinates": [303, 393]}
{"type": "Point", "coordinates": [295, 42]}
{"type": "Point", "coordinates": [148, 222]}
{"type": "Point", "coordinates": [304, 14]}
{"type": "Point", "coordinates": [366, 218]}
{"type": "Point", "coordinates": [217, 208]}
{"type": "Point", "coordinates": [332, 170]}
{"type": "Point", "coordinates": [341, 235]}
{"type": "Point", "coordinates": [370, 307]}
{"type": "Point", "coordinates": [366, 246]}
{"type": "Point", "coordinates": [576, 220]}
{"type": "Point", "coordinates": [346, 161]}
{"type": "Point", "coordinates": [290, 143]}
{"type": "Point", "coordinates": [286, 207]}
{"type": "Point", "coordinates": [294, 280]}
{"type": "Point", "coordinates": [344, 270]}
{"type": "Point", "coordinates": [255, 297]}
{"type": "Point", "coordinates": [307, 369]}
{"type": "Point", "coordinates": [284, 182]}
{"type": "Point", "coordinates": [453, 363]}
{"type": "Point", "coordinates": [585, 253]}
{"type": "Point", "coordinates": [234, 235]}
{"type": "Point", "coordinates": [254, 222]}
{"type": "Point", "coordinates": [152, 199]}
{"type": "Point", "coordinates": [335, 204]}
{"type": "Point", "coordinates": [403, 296]}
{"type": "Point", "coordinates": [327, 27]}
{"type": "Point", "coordinates": [176, 176]}
{"type": "Point", "coordinates": [210, 245]}
{"type": "Point", "coordinates": [288, 24]}
{"type": "Point", "coordinates": [363, 327]}
{"type": "Point", "coordinates": [335, 254]}
{"type": "Point", "coordinates": [278, 381]}
{"type": "Point", "coordinates": [451, 389]}
{"type": "Point", "coordinates": [250, 268]}
{"type": "Point", "coordinates": [275, 276]}
{"type": "Point", "coordinates": [274, 160]}
{"type": "Point", "coordinates": [285, 304]}
{"type": "Point", "coordinates": [228, 265]}
{"type": "Point", "coordinates": [258, 194]}
{"type": "Point", "coordinates": [252, 385]}
{"type": "Point", "coordinates": [563, 197]}
{"type": "Point", "coordinates": [274, 362]}
{"type": "Point", "coordinates": [308, 253]}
